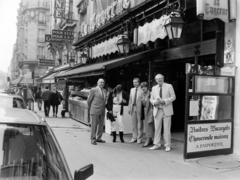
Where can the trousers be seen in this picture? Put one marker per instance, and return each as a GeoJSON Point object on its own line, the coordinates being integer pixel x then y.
{"type": "Point", "coordinates": [137, 124]}
{"type": "Point", "coordinates": [39, 103]}
{"type": "Point", "coordinates": [46, 107]}
{"type": "Point", "coordinates": [55, 109]}
{"type": "Point", "coordinates": [116, 112]}
{"type": "Point", "coordinates": [160, 119]}
{"type": "Point", "coordinates": [97, 126]}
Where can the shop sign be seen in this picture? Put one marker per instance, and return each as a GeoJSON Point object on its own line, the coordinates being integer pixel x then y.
{"type": "Point", "coordinates": [207, 137]}
{"type": "Point", "coordinates": [46, 62]}
{"type": "Point", "coordinates": [62, 35]}
{"type": "Point", "coordinates": [212, 9]}
{"type": "Point", "coordinates": [48, 38]}
{"type": "Point", "coordinates": [59, 8]}
{"type": "Point", "coordinates": [104, 48]}
{"type": "Point", "coordinates": [152, 31]}
{"type": "Point", "coordinates": [228, 71]}
{"type": "Point", "coordinates": [115, 9]}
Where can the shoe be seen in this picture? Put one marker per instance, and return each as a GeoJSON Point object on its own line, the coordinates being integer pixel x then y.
{"type": "Point", "coordinates": [114, 136]}
{"type": "Point", "coordinates": [155, 147]}
{"type": "Point", "coordinates": [139, 141]}
{"type": "Point", "coordinates": [100, 141]}
{"type": "Point", "coordinates": [168, 149]}
{"type": "Point", "coordinates": [148, 142]}
{"type": "Point", "coordinates": [121, 137]}
{"type": "Point", "coordinates": [133, 141]}
{"type": "Point", "coordinates": [93, 142]}
{"type": "Point", "coordinates": [55, 115]}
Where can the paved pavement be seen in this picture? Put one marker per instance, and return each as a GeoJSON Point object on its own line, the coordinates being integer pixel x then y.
{"type": "Point", "coordinates": [130, 161]}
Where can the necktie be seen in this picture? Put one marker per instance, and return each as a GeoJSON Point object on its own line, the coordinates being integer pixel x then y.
{"type": "Point", "coordinates": [135, 98]}
{"type": "Point", "coordinates": [160, 92]}
{"type": "Point", "coordinates": [102, 93]}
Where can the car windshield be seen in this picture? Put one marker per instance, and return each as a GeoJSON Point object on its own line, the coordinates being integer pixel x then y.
{"type": "Point", "coordinates": [12, 102]}
{"type": "Point", "coordinates": [29, 152]}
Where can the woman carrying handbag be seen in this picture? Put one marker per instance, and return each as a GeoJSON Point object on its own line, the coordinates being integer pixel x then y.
{"type": "Point", "coordinates": [116, 100]}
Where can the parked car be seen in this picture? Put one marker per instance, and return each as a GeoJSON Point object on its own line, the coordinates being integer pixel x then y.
{"type": "Point", "coordinates": [12, 101]}
{"type": "Point", "coordinates": [30, 149]}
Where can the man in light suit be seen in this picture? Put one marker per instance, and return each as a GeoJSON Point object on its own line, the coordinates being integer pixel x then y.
{"type": "Point", "coordinates": [135, 111]}
{"type": "Point", "coordinates": [96, 105]}
{"type": "Point", "coordinates": [161, 98]}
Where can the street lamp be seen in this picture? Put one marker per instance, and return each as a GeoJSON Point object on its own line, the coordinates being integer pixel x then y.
{"type": "Point", "coordinates": [72, 62]}
{"type": "Point", "coordinates": [174, 25]}
{"type": "Point", "coordinates": [84, 58]}
{"type": "Point", "coordinates": [123, 44]}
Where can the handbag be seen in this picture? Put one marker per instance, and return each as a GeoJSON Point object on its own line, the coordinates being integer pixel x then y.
{"type": "Point", "coordinates": [111, 117]}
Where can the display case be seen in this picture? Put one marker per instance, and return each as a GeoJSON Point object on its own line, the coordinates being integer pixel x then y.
{"type": "Point", "coordinates": [78, 107]}
{"type": "Point", "coordinates": [209, 116]}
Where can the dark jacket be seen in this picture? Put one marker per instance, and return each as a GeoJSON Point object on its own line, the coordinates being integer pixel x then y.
{"type": "Point", "coordinates": [38, 95]}
{"type": "Point", "coordinates": [46, 95]}
{"type": "Point", "coordinates": [56, 98]}
{"type": "Point", "coordinates": [109, 104]}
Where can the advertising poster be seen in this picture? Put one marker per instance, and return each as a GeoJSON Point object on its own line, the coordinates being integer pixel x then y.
{"type": "Point", "coordinates": [209, 108]}
{"type": "Point", "coordinates": [207, 137]}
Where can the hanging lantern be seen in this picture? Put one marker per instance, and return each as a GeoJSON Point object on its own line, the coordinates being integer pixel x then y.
{"type": "Point", "coordinates": [174, 26]}
{"type": "Point", "coordinates": [123, 44]}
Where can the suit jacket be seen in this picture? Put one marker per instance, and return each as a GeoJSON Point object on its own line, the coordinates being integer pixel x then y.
{"type": "Point", "coordinates": [148, 109]}
{"type": "Point", "coordinates": [168, 95]}
{"type": "Point", "coordinates": [96, 101]}
{"type": "Point", "coordinates": [138, 101]}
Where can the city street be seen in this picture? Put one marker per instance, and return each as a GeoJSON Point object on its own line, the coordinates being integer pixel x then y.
{"type": "Point", "coordinates": [131, 161]}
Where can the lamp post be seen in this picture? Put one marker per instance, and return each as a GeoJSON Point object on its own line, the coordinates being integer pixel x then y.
{"type": "Point", "coordinates": [123, 44]}
{"type": "Point", "coordinates": [174, 25]}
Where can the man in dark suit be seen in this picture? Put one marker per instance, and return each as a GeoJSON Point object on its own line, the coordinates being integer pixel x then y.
{"type": "Point", "coordinates": [96, 106]}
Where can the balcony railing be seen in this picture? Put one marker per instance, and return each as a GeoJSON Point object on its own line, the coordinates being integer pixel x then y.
{"type": "Point", "coordinates": [42, 22]}
{"type": "Point", "coordinates": [40, 56]}
{"type": "Point", "coordinates": [40, 39]}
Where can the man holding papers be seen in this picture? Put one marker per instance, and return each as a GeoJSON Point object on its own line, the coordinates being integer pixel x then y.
{"type": "Point", "coordinates": [162, 97]}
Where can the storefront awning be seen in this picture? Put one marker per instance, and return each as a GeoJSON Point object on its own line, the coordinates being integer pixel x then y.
{"type": "Point", "coordinates": [99, 68]}
{"type": "Point", "coordinates": [16, 81]}
{"type": "Point", "coordinates": [51, 78]}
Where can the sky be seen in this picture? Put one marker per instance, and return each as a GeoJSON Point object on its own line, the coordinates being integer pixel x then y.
{"type": "Point", "coordinates": [8, 31]}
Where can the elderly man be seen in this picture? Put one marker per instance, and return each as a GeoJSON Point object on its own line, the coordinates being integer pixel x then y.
{"type": "Point", "coordinates": [96, 105]}
{"type": "Point", "coordinates": [161, 98]}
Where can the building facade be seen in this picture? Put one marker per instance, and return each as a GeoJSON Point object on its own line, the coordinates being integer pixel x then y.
{"type": "Point", "coordinates": [33, 23]}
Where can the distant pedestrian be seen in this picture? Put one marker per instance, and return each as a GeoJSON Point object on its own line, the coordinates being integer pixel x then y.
{"type": "Point", "coordinates": [56, 99]}
{"type": "Point", "coordinates": [116, 100]}
{"type": "Point", "coordinates": [38, 98]}
{"type": "Point", "coordinates": [46, 96]}
{"type": "Point", "coordinates": [96, 106]}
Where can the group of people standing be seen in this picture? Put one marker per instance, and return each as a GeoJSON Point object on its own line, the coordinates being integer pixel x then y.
{"type": "Point", "coordinates": [147, 108]}
{"type": "Point", "coordinates": [49, 98]}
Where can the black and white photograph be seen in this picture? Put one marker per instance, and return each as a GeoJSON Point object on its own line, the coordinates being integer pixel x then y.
{"type": "Point", "coordinates": [119, 89]}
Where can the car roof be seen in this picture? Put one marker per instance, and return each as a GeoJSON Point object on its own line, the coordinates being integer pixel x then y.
{"type": "Point", "coordinates": [15, 115]}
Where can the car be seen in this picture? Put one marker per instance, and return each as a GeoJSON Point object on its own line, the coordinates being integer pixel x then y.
{"type": "Point", "coordinates": [12, 101]}
{"type": "Point", "coordinates": [30, 149]}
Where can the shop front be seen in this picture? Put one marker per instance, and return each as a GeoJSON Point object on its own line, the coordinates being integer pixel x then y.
{"type": "Point", "coordinates": [199, 46]}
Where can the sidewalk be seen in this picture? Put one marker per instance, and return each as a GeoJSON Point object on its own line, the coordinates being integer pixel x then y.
{"type": "Point", "coordinates": [131, 161]}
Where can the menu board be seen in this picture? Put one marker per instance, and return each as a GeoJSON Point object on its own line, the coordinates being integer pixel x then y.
{"type": "Point", "coordinates": [208, 84]}
{"type": "Point", "coordinates": [207, 137]}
